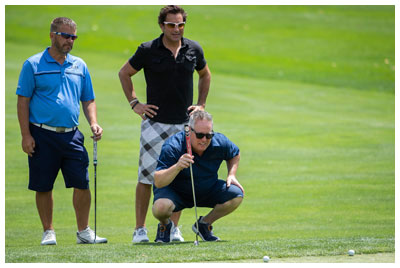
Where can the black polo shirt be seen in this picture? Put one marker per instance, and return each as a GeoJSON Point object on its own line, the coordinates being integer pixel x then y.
{"type": "Point", "coordinates": [169, 80]}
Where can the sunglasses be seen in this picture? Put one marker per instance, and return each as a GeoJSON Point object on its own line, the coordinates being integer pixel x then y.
{"type": "Point", "coordinates": [66, 36]}
{"type": "Point", "coordinates": [201, 135]}
{"type": "Point", "coordinates": [172, 25]}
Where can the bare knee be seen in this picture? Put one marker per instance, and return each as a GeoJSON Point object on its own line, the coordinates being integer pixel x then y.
{"type": "Point", "coordinates": [163, 208]}
{"type": "Point", "coordinates": [82, 194]}
{"type": "Point", "coordinates": [234, 203]}
{"type": "Point", "coordinates": [81, 191]}
{"type": "Point", "coordinates": [44, 194]}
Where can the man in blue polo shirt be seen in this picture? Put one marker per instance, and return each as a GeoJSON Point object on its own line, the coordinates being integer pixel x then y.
{"type": "Point", "coordinates": [172, 182]}
{"type": "Point", "coordinates": [50, 88]}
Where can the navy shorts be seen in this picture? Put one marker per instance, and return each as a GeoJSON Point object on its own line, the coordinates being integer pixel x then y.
{"type": "Point", "coordinates": [219, 194]}
{"type": "Point", "coordinates": [55, 151]}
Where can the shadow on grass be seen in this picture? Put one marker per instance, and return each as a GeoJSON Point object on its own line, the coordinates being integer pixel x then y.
{"type": "Point", "coordinates": [176, 243]}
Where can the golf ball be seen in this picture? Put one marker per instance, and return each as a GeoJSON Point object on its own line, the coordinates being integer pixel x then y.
{"type": "Point", "coordinates": [266, 259]}
{"type": "Point", "coordinates": [196, 243]}
{"type": "Point", "coordinates": [351, 252]}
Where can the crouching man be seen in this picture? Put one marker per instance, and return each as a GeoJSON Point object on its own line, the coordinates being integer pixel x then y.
{"type": "Point", "coordinates": [172, 182]}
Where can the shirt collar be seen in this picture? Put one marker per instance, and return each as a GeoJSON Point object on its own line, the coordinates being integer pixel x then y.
{"type": "Point", "coordinates": [68, 59]}
{"type": "Point", "coordinates": [49, 58]}
{"type": "Point", "coordinates": [160, 43]}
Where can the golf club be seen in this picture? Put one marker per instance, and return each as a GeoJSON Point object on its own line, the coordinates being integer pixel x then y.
{"type": "Point", "coordinates": [95, 187]}
{"type": "Point", "coordinates": [189, 151]}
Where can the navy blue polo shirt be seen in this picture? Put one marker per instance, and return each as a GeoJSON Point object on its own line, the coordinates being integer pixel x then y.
{"type": "Point", "coordinates": [169, 81]}
{"type": "Point", "coordinates": [205, 167]}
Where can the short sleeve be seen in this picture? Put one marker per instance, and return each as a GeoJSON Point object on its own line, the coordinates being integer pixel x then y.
{"type": "Point", "coordinates": [87, 90]}
{"type": "Point", "coordinates": [231, 150]}
{"type": "Point", "coordinates": [169, 156]}
{"type": "Point", "coordinates": [201, 61]}
{"type": "Point", "coordinates": [26, 82]}
{"type": "Point", "coordinates": [137, 61]}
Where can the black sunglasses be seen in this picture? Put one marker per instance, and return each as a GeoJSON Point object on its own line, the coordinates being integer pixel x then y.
{"type": "Point", "coordinates": [201, 135]}
{"type": "Point", "coordinates": [66, 36]}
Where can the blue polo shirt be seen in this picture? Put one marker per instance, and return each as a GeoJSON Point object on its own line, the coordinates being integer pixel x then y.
{"type": "Point", "coordinates": [205, 167]}
{"type": "Point", "coordinates": [55, 90]}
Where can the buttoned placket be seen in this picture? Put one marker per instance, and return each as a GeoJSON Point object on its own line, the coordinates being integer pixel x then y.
{"type": "Point", "coordinates": [63, 72]}
{"type": "Point", "coordinates": [64, 66]}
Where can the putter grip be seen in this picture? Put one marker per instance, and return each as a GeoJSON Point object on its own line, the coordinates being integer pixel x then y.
{"type": "Point", "coordinates": [95, 152]}
{"type": "Point", "coordinates": [188, 145]}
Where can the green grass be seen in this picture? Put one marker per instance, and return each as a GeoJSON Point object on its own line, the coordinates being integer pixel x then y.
{"type": "Point", "coordinates": [223, 251]}
{"type": "Point", "coordinates": [306, 92]}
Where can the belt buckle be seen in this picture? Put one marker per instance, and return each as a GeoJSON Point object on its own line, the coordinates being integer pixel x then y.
{"type": "Point", "coordinates": [60, 129]}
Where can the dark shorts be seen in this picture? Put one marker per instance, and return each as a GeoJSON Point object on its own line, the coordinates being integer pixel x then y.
{"type": "Point", "coordinates": [218, 195]}
{"type": "Point", "coordinates": [55, 151]}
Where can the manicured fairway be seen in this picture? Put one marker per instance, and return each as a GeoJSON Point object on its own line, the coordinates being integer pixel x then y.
{"type": "Point", "coordinates": [306, 92]}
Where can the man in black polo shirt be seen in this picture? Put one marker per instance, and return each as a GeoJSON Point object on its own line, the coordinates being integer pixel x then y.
{"type": "Point", "coordinates": [168, 62]}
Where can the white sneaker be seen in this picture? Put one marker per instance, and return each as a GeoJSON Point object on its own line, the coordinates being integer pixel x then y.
{"type": "Point", "coordinates": [176, 234]}
{"type": "Point", "coordinates": [87, 237]}
{"type": "Point", "coordinates": [49, 238]}
{"type": "Point", "coordinates": [140, 235]}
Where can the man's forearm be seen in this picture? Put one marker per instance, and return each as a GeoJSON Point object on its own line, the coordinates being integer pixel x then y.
{"type": "Point", "coordinates": [125, 75]}
{"type": "Point", "coordinates": [233, 165]}
{"type": "Point", "coordinates": [164, 177]}
{"type": "Point", "coordinates": [23, 114]}
{"type": "Point", "coordinates": [204, 86]}
{"type": "Point", "coordinates": [28, 142]}
{"type": "Point", "coordinates": [127, 87]}
{"type": "Point", "coordinates": [90, 110]}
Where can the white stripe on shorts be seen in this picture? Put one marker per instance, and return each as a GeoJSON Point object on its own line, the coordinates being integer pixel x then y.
{"type": "Point", "coordinates": [152, 137]}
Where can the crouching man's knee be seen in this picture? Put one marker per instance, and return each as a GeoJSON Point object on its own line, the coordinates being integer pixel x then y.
{"type": "Point", "coordinates": [234, 203]}
{"type": "Point", "coordinates": [163, 208]}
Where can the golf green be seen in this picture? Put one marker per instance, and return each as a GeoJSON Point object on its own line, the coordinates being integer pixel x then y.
{"type": "Point", "coordinates": [306, 92]}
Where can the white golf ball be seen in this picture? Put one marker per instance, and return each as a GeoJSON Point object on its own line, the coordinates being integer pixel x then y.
{"type": "Point", "coordinates": [351, 252]}
{"type": "Point", "coordinates": [196, 243]}
{"type": "Point", "coordinates": [266, 259]}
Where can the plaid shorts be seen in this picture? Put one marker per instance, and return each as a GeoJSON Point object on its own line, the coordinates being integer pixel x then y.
{"type": "Point", "coordinates": [152, 137]}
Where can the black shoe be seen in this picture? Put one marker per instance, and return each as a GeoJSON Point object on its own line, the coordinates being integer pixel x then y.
{"type": "Point", "coordinates": [164, 232]}
{"type": "Point", "coordinates": [205, 231]}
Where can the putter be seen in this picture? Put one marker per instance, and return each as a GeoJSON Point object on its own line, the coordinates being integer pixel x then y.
{"type": "Point", "coordinates": [189, 151]}
{"type": "Point", "coordinates": [95, 187]}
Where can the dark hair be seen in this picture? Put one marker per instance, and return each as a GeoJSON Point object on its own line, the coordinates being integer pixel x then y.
{"type": "Point", "coordinates": [57, 22]}
{"type": "Point", "coordinates": [170, 9]}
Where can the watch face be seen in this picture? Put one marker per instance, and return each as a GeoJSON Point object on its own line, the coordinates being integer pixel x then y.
{"type": "Point", "coordinates": [186, 128]}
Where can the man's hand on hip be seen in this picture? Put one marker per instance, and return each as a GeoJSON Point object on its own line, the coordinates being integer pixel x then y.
{"type": "Point", "coordinates": [144, 110]}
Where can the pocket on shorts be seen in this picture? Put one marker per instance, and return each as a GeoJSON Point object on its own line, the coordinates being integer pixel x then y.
{"type": "Point", "coordinates": [79, 137]}
{"type": "Point", "coordinates": [75, 163]}
{"type": "Point", "coordinates": [76, 149]}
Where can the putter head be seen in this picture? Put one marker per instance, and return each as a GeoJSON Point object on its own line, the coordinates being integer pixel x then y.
{"type": "Point", "coordinates": [196, 243]}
